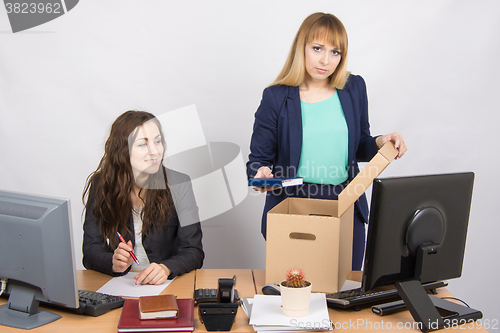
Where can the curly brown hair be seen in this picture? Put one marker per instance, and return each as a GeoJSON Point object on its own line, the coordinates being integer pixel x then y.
{"type": "Point", "coordinates": [107, 189]}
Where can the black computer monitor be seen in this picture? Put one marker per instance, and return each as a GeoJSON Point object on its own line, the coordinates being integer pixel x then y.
{"type": "Point", "coordinates": [417, 234]}
{"type": "Point", "coordinates": [36, 256]}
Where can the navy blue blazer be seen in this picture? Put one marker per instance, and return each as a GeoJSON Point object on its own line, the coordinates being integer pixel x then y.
{"type": "Point", "coordinates": [277, 136]}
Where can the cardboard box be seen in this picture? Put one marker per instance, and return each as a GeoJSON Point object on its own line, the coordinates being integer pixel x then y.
{"type": "Point", "coordinates": [316, 235]}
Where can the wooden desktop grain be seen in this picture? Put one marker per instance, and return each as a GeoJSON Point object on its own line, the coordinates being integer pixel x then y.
{"type": "Point", "coordinates": [248, 283]}
{"type": "Point", "coordinates": [182, 286]}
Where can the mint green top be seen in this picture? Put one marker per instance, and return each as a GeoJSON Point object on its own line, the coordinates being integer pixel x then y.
{"type": "Point", "coordinates": [324, 155]}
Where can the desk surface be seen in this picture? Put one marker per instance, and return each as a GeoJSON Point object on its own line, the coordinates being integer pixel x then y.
{"type": "Point", "coordinates": [248, 283]}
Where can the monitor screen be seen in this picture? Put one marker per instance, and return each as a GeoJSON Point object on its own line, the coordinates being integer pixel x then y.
{"type": "Point", "coordinates": [37, 258]}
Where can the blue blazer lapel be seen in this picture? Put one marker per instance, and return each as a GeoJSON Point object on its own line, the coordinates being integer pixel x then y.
{"type": "Point", "coordinates": [345, 100]}
{"type": "Point", "coordinates": [295, 127]}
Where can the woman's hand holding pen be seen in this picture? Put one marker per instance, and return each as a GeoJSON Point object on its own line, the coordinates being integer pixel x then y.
{"type": "Point", "coordinates": [153, 274]}
{"type": "Point", "coordinates": [263, 172]}
{"type": "Point", "coordinates": [122, 258]}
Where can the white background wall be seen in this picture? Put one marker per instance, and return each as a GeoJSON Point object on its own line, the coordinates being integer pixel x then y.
{"type": "Point", "coordinates": [431, 68]}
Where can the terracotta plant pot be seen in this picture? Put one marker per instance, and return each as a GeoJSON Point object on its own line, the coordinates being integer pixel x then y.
{"type": "Point", "coordinates": [295, 301]}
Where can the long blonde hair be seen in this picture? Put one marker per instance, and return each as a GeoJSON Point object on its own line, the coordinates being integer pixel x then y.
{"type": "Point", "coordinates": [317, 26]}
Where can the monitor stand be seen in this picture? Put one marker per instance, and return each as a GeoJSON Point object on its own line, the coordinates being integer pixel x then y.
{"type": "Point", "coordinates": [21, 311]}
{"type": "Point", "coordinates": [433, 313]}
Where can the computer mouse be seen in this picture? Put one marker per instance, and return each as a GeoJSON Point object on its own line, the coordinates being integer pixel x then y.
{"type": "Point", "coordinates": [271, 289]}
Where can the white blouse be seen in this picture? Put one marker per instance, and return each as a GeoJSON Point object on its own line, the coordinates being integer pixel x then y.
{"type": "Point", "coordinates": [139, 251]}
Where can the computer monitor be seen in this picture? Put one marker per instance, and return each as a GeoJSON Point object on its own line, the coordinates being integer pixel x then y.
{"type": "Point", "coordinates": [36, 256]}
{"type": "Point", "coordinates": [417, 234]}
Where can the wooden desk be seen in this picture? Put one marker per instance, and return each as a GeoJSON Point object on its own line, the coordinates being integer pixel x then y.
{"type": "Point", "coordinates": [248, 283]}
{"type": "Point", "coordinates": [365, 320]}
{"type": "Point", "coordinates": [183, 287]}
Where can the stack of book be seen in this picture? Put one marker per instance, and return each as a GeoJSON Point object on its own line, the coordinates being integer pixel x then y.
{"type": "Point", "coordinates": [163, 313]}
{"type": "Point", "coordinates": [266, 315]}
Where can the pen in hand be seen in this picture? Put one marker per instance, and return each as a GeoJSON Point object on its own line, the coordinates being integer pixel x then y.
{"type": "Point", "coordinates": [131, 252]}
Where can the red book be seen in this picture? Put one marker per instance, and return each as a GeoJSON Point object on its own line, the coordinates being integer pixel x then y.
{"type": "Point", "coordinates": [130, 320]}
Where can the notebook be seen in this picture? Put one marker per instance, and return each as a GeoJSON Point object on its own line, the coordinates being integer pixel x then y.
{"type": "Point", "coordinates": [161, 306]}
{"type": "Point", "coordinates": [130, 321]}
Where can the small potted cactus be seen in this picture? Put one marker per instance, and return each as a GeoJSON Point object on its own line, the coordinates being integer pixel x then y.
{"type": "Point", "coordinates": [295, 293]}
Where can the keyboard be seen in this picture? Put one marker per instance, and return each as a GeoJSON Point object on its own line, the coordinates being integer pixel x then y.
{"type": "Point", "coordinates": [356, 297]}
{"type": "Point", "coordinates": [95, 304]}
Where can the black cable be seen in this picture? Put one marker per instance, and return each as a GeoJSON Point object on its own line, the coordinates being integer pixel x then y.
{"type": "Point", "coordinates": [457, 299]}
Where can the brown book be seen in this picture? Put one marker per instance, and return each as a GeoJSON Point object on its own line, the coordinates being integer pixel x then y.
{"type": "Point", "coordinates": [162, 306]}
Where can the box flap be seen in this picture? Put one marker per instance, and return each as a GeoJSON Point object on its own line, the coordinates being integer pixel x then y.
{"type": "Point", "coordinates": [364, 179]}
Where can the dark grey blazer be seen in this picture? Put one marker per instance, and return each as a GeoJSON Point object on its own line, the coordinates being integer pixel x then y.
{"type": "Point", "coordinates": [177, 244]}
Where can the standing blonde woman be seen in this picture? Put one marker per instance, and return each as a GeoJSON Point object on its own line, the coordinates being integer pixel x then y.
{"type": "Point", "coordinates": [313, 123]}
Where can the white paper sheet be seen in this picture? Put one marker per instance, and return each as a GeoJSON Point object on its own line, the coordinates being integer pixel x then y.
{"type": "Point", "coordinates": [267, 315]}
{"type": "Point", "coordinates": [125, 286]}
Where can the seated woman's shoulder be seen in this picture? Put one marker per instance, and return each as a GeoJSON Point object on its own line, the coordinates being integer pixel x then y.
{"type": "Point", "coordinates": [175, 177]}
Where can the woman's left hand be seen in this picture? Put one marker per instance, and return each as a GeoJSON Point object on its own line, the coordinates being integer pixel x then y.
{"type": "Point", "coordinates": [153, 274]}
{"type": "Point", "coordinates": [397, 139]}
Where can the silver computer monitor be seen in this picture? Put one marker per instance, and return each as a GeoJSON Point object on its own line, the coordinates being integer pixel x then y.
{"type": "Point", "coordinates": [36, 256]}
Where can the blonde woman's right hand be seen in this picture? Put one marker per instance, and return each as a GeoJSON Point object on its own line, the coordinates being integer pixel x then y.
{"type": "Point", "coordinates": [263, 172]}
